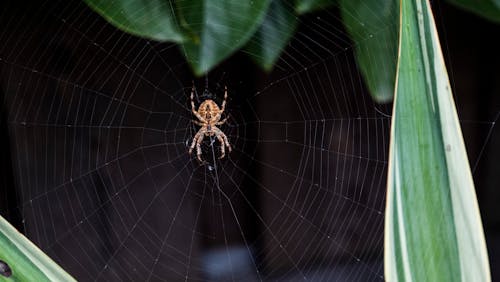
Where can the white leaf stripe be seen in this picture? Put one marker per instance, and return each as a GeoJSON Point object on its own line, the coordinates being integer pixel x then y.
{"type": "Point", "coordinates": [473, 260]}
{"type": "Point", "coordinates": [462, 256]}
{"type": "Point", "coordinates": [47, 269]}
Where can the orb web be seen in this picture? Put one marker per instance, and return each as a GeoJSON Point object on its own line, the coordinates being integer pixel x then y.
{"type": "Point", "coordinates": [100, 124]}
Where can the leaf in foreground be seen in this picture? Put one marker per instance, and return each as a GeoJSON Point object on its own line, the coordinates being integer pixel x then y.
{"type": "Point", "coordinates": [374, 27]}
{"type": "Point", "coordinates": [307, 6]}
{"type": "Point", "coordinates": [433, 228]}
{"type": "Point", "coordinates": [26, 261]}
{"type": "Point", "coordinates": [218, 28]}
{"type": "Point", "coordinates": [152, 19]}
{"type": "Point", "coordinates": [489, 9]}
{"type": "Point", "coordinates": [272, 36]}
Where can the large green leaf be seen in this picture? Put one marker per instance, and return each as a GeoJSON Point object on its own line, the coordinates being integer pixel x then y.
{"type": "Point", "coordinates": [433, 230]}
{"type": "Point", "coordinates": [153, 19]}
{"type": "Point", "coordinates": [218, 28]}
{"type": "Point", "coordinates": [374, 27]}
{"type": "Point", "coordinates": [272, 36]}
{"type": "Point", "coordinates": [26, 261]}
{"type": "Point", "coordinates": [489, 9]}
{"type": "Point", "coordinates": [306, 6]}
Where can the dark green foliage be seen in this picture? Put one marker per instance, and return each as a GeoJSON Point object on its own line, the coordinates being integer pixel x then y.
{"type": "Point", "coordinates": [210, 31]}
{"type": "Point", "coordinates": [489, 9]}
{"type": "Point", "coordinates": [274, 33]}
{"type": "Point", "coordinates": [217, 29]}
{"type": "Point", "coordinates": [374, 28]}
{"type": "Point", "coordinates": [153, 19]}
{"type": "Point", "coordinates": [306, 6]}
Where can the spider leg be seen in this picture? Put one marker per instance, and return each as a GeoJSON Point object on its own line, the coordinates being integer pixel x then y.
{"type": "Point", "coordinates": [227, 142]}
{"type": "Point", "coordinates": [192, 96]}
{"type": "Point", "coordinates": [222, 121]}
{"type": "Point", "coordinates": [197, 122]}
{"type": "Point", "coordinates": [223, 107]}
{"type": "Point", "coordinates": [222, 146]}
{"type": "Point", "coordinates": [198, 148]}
{"type": "Point", "coordinates": [195, 138]}
{"type": "Point", "coordinates": [193, 108]}
{"type": "Point", "coordinates": [192, 145]}
{"type": "Point", "coordinates": [223, 140]}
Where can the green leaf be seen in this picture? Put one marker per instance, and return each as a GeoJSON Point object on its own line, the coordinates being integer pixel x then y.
{"type": "Point", "coordinates": [274, 33]}
{"type": "Point", "coordinates": [152, 19]}
{"type": "Point", "coordinates": [27, 262]}
{"type": "Point", "coordinates": [218, 28]}
{"type": "Point", "coordinates": [373, 26]}
{"type": "Point", "coordinates": [433, 230]}
{"type": "Point", "coordinates": [306, 6]}
{"type": "Point", "coordinates": [489, 9]}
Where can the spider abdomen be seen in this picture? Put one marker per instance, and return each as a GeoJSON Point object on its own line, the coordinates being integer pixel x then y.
{"type": "Point", "coordinates": [208, 110]}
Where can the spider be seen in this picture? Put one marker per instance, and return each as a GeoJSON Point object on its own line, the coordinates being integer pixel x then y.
{"type": "Point", "coordinates": [209, 115]}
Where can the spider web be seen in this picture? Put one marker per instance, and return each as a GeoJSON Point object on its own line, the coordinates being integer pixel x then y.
{"type": "Point", "coordinates": [100, 125]}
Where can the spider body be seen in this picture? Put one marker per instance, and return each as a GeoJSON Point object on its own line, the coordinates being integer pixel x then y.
{"type": "Point", "coordinates": [209, 115]}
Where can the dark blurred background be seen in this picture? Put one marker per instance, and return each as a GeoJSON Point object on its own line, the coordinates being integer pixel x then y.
{"type": "Point", "coordinates": [94, 169]}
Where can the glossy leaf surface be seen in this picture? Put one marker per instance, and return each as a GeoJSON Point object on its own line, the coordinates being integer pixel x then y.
{"type": "Point", "coordinates": [433, 230]}
{"type": "Point", "coordinates": [25, 260]}
{"type": "Point", "coordinates": [152, 19]}
{"type": "Point", "coordinates": [272, 36]}
{"type": "Point", "coordinates": [374, 28]}
{"type": "Point", "coordinates": [306, 6]}
{"type": "Point", "coordinates": [489, 9]}
{"type": "Point", "coordinates": [217, 29]}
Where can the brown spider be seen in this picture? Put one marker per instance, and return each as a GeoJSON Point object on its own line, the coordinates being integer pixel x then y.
{"type": "Point", "coordinates": [209, 116]}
